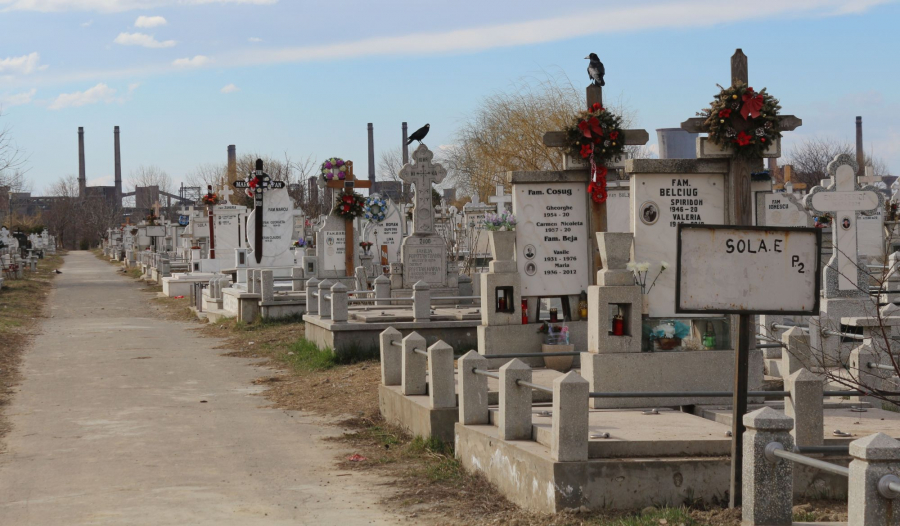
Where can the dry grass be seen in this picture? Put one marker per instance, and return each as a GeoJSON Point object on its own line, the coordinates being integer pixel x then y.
{"type": "Point", "coordinates": [21, 308]}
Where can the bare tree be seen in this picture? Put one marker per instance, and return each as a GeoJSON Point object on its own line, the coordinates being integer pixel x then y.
{"type": "Point", "coordinates": [152, 175]}
{"type": "Point", "coordinates": [811, 156]}
{"type": "Point", "coordinates": [505, 132]}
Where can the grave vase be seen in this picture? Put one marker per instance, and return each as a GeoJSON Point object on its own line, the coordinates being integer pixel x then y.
{"type": "Point", "coordinates": [503, 244]}
{"type": "Point", "coordinates": [645, 304]}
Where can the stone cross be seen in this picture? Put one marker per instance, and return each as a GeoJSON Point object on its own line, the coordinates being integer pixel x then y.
{"type": "Point", "coordinates": [349, 183]}
{"type": "Point", "coordinates": [870, 177]}
{"type": "Point", "coordinates": [503, 202]}
{"type": "Point", "coordinates": [842, 200]}
{"type": "Point", "coordinates": [422, 174]}
{"type": "Point", "coordinates": [225, 194]}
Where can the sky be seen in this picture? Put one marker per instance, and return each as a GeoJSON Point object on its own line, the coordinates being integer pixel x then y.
{"type": "Point", "coordinates": [185, 78]}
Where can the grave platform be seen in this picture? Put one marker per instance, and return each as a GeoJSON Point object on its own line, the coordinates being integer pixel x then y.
{"type": "Point", "coordinates": [454, 326]}
{"type": "Point", "coordinates": [180, 284]}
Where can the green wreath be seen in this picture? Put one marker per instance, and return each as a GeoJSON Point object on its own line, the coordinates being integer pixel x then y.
{"type": "Point", "coordinates": [596, 131]}
{"type": "Point", "coordinates": [349, 204]}
{"type": "Point", "coordinates": [743, 120]}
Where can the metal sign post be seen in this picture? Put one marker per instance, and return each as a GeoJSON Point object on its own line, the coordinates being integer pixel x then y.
{"type": "Point", "coordinates": [743, 270]}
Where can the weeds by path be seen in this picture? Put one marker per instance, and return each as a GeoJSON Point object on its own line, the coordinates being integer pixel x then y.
{"type": "Point", "coordinates": [22, 303]}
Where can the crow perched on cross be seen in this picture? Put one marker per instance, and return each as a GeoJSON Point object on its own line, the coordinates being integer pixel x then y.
{"type": "Point", "coordinates": [596, 70]}
{"type": "Point", "coordinates": [419, 134]}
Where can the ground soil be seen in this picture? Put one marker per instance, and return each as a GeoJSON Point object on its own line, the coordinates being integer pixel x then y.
{"type": "Point", "coordinates": [430, 486]}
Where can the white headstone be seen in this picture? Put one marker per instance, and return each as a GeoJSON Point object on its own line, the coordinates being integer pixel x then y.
{"type": "Point", "coordinates": [552, 238]}
{"type": "Point", "coordinates": [423, 252]}
{"type": "Point", "coordinates": [386, 236]}
{"type": "Point", "coordinates": [501, 199]}
{"type": "Point", "coordinates": [278, 225]}
{"type": "Point", "coordinates": [660, 202]}
{"type": "Point", "coordinates": [618, 209]}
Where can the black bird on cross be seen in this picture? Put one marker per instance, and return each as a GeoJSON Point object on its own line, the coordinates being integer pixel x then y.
{"type": "Point", "coordinates": [596, 70]}
{"type": "Point", "coordinates": [419, 134]}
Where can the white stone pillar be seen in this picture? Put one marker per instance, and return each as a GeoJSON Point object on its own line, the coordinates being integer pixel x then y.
{"type": "Point", "coordinates": [413, 365]}
{"type": "Point", "coordinates": [569, 442]}
{"type": "Point", "coordinates": [324, 304]}
{"type": "Point", "coordinates": [339, 302]}
{"type": "Point", "coordinates": [515, 401]}
{"type": "Point", "coordinates": [267, 285]}
{"type": "Point", "coordinates": [421, 302]}
{"type": "Point", "coordinates": [391, 361]}
{"type": "Point", "coordinates": [473, 390]}
{"type": "Point", "coordinates": [382, 290]}
{"type": "Point", "coordinates": [806, 407]}
{"type": "Point", "coordinates": [312, 302]}
{"type": "Point", "coordinates": [442, 385]}
{"type": "Point", "coordinates": [876, 461]}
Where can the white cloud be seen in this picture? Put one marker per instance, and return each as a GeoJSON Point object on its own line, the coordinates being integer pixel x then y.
{"type": "Point", "coordinates": [150, 21]}
{"type": "Point", "coordinates": [231, 88]}
{"type": "Point", "coordinates": [87, 24]}
{"type": "Point", "coordinates": [17, 99]}
{"type": "Point", "coordinates": [254, 39]}
{"type": "Point", "coordinates": [101, 181]}
{"type": "Point", "coordinates": [21, 65]}
{"type": "Point", "coordinates": [99, 93]}
{"type": "Point", "coordinates": [141, 39]}
{"type": "Point", "coordinates": [109, 6]}
{"type": "Point", "coordinates": [196, 62]}
{"type": "Point", "coordinates": [133, 86]}
{"type": "Point", "coordinates": [630, 17]}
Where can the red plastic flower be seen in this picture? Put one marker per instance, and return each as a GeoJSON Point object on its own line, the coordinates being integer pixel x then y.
{"type": "Point", "coordinates": [586, 151]}
{"type": "Point", "coordinates": [345, 208]}
{"type": "Point", "coordinates": [585, 128]}
{"type": "Point", "coordinates": [597, 107]}
{"type": "Point", "coordinates": [743, 139]}
{"type": "Point", "coordinates": [724, 114]}
{"type": "Point", "coordinates": [602, 171]}
{"type": "Point", "coordinates": [762, 139]}
{"type": "Point", "coordinates": [347, 198]}
{"type": "Point", "coordinates": [254, 182]}
{"type": "Point", "coordinates": [613, 135]}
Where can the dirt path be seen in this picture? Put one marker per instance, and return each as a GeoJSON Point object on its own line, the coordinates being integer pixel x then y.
{"type": "Point", "coordinates": [126, 418]}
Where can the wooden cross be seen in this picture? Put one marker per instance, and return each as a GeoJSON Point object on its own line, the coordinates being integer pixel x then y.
{"type": "Point", "coordinates": [557, 139]}
{"type": "Point", "coordinates": [349, 183]}
{"type": "Point", "coordinates": [740, 204]}
{"type": "Point", "coordinates": [212, 231]}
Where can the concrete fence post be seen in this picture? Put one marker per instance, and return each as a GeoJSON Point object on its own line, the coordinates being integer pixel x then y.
{"type": "Point", "coordinates": [473, 390]}
{"type": "Point", "coordinates": [569, 442]}
{"type": "Point", "coordinates": [805, 406]}
{"type": "Point", "coordinates": [413, 365]}
{"type": "Point", "coordinates": [515, 401]}
{"type": "Point", "coordinates": [267, 285]}
{"type": "Point", "coordinates": [312, 302]}
{"type": "Point", "coordinates": [795, 352]}
{"type": "Point", "coordinates": [296, 277]}
{"type": "Point", "coordinates": [871, 378]}
{"type": "Point", "coordinates": [441, 384]}
{"type": "Point", "coordinates": [324, 304]}
{"type": "Point", "coordinates": [421, 301]}
{"type": "Point", "coordinates": [768, 484]}
{"type": "Point", "coordinates": [391, 360]}
{"type": "Point", "coordinates": [251, 281]}
{"type": "Point", "coordinates": [876, 461]}
{"type": "Point", "coordinates": [382, 290]}
{"type": "Point", "coordinates": [339, 302]}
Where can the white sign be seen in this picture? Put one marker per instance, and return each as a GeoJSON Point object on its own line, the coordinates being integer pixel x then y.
{"type": "Point", "coordinates": [870, 229]}
{"type": "Point", "coordinates": [228, 229]}
{"type": "Point", "coordinates": [660, 203]}
{"type": "Point", "coordinates": [552, 238]}
{"type": "Point", "coordinates": [156, 231]}
{"type": "Point", "coordinates": [725, 269]}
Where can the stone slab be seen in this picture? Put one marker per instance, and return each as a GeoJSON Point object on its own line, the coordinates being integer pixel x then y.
{"type": "Point", "coordinates": [413, 414]}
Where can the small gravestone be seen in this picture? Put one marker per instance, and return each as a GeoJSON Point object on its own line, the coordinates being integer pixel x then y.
{"type": "Point", "coordinates": [386, 236]}
{"type": "Point", "coordinates": [277, 230]}
{"type": "Point", "coordinates": [781, 209]}
{"type": "Point", "coordinates": [501, 199]}
{"type": "Point", "coordinates": [331, 246]}
{"type": "Point", "coordinates": [423, 253]}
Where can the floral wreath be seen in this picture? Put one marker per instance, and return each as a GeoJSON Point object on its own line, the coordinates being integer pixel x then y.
{"type": "Point", "coordinates": [596, 135]}
{"type": "Point", "coordinates": [210, 199]}
{"type": "Point", "coordinates": [743, 120]}
{"type": "Point", "coordinates": [374, 209]}
{"type": "Point", "coordinates": [334, 168]}
{"type": "Point", "coordinates": [349, 204]}
{"type": "Point", "coordinates": [252, 182]}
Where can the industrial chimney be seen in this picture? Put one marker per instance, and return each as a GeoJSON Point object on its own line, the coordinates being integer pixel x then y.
{"type": "Point", "coordinates": [405, 147]}
{"type": "Point", "coordinates": [232, 163]}
{"type": "Point", "coordinates": [118, 161]}
{"type": "Point", "coordinates": [371, 153]}
{"type": "Point", "coordinates": [82, 178]}
{"type": "Point", "coordinates": [860, 154]}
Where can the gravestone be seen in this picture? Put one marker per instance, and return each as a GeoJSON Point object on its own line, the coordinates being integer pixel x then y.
{"type": "Point", "coordinates": [423, 253]}
{"type": "Point", "coordinates": [663, 199]}
{"type": "Point", "coordinates": [618, 207]}
{"type": "Point", "coordinates": [501, 199]}
{"type": "Point", "coordinates": [331, 247]}
{"type": "Point", "coordinates": [552, 237]}
{"type": "Point", "coordinates": [781, 209]}
{"type": "Point", "coordinates": [871, 224]}
{"type": "Point", "coordinates": [844, 275]}
{"type": "Point", "coordinates": [474, 213]}
{"type": "Point", "coordinates": [387, 236]}
{"type": "Point", "coordinates": [277, 230]}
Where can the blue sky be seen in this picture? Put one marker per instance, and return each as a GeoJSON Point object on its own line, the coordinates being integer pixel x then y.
{"type": "Point", "coordinates": [185, 78]}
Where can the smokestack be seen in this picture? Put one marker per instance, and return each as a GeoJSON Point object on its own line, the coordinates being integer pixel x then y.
{"type": "Point", "coordinates": [371, 153]}
{"type": "Point", "coordinates": [82, 178]}
{"type": "Point", "coordinates": [405, 147]}
{"type": "Point", "coordinates": [860, 155]}
{"type": "Point", "coordinates": [118, 160]}
{"type": "Point", "coordinates": [232, 163]}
